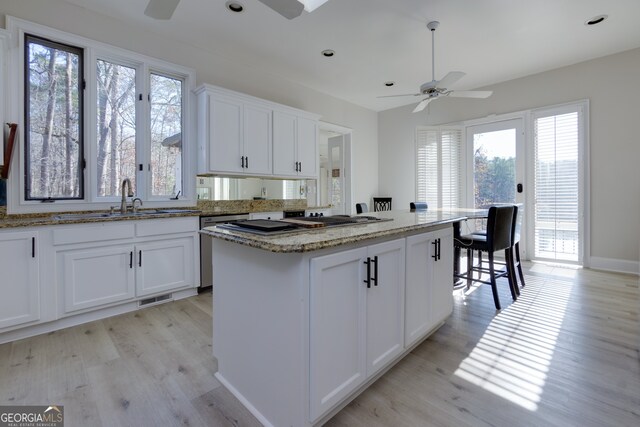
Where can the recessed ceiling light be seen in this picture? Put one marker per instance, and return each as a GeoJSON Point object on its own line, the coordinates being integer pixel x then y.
{"type": "Point", "coordinates": [234, 6]}
{"type": "Point", "coordinates": [389, 84]}
{"type": "Point", "coordinates": [596, 20]}
{"type": "Point", "coordinates": [328, 53]}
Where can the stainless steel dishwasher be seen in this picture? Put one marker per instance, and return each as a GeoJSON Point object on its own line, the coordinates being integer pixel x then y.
{"type": "Point", "coordinates": [206, 270]}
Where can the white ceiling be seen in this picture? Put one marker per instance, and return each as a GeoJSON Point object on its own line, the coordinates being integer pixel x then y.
{"type": "Point", "coordinates": [380, 40]}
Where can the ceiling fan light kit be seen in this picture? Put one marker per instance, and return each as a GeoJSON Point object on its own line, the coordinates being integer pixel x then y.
{"type": "Point", "coordinates": [436, 88]}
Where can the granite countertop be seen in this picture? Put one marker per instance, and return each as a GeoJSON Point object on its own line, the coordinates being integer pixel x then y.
{"type": "Point", "coordinates": [33, 220]}
{"type": "Point", "coordinates": [308, 240]}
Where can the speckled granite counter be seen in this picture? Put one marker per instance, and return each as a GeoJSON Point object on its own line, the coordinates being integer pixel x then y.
{"type": "Point", "coordinates": [34, 220]}
{"type": "Point", "coordinates": [228, 207]}
{"type": "Point", "coordinates": [308, 240]}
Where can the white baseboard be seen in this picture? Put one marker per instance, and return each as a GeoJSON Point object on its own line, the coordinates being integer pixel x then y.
{"type": "Point", "coordinates": [617, 265]}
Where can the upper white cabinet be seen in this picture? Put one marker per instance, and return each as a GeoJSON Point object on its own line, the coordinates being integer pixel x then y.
{"type": "Point", "coordinates": [239, 139]}
{"type": "Point", "coordinates": [295, 148]}
{"type": "Point", "coordinates": [242, 135]}
{"type": "Point", "coordinates": [20, 285]}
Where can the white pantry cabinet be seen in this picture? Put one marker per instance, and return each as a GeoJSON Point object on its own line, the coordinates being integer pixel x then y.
{"type": "Point", "coordinates": [356, 319]}
{"type": "Point", "coordinates": [237, 136]}
{"type": "Point", "coordinates": [428, 292]}
{"type": "Point", "coordinates": [19, 278]}
{"type": "Point", "coordinates": [295, 146]}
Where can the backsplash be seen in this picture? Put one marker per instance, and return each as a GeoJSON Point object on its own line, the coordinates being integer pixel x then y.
{"type": "Point", "coordinates": [215, 207]}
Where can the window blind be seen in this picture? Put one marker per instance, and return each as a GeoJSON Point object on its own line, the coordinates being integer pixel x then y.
{"type": "Point", "coordinates": [438, 167]}
{"type": "Point", "coordinates": [557, 215]}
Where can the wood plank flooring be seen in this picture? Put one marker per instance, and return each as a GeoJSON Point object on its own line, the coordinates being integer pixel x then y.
{"type": "Point", "coordinates": [565, 354]}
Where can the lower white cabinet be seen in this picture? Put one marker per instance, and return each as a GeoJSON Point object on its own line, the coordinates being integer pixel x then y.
{"type": "Point", "coordinates": [164, 265]}
{"type": "Point", "coordinates": [107, 264]}
{"type": "Point", "coordinates": [356, 319]}
{"type": "Point", "coordinates": [97, 276]}
{"type": "Point", "coordinates": [429, 281]}
{"type": "Point", "coordinates": [19, 281]}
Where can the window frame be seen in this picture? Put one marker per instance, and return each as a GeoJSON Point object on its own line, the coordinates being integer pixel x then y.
{"type": "Point", "coordinates": [94, 50]}
{"type": "Point", "coordinates": [81, 100]}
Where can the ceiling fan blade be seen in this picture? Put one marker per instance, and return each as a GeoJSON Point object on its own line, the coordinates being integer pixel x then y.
{"type": "Point", "coordinates": [422, 105]}
{"type": "Point", "coordinates": [405, 94]}
{"type": "Point", "coordinates": [288, 8]}
{"type": "Point", "coordinates": [450, 79]}
{"type": "Point", "coordinates": [471, 93]}
{"type": "Point", "coordinates": [161, 9]}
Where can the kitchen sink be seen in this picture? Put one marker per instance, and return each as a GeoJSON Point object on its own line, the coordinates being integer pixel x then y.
{"type": "Point", "coordinates": [83, 215]}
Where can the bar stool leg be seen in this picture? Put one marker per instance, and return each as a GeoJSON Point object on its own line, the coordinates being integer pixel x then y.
{"type": "Point", "coordinates": [520, 273]}
{"type": "Point", "coordinates": [511, 274]}
{"type": "Point", "coordinates": [494, 287]}
{"type": "Point", "coordinates": [469, 268]}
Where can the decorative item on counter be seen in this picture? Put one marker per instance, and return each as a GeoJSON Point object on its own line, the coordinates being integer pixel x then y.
{"type": "Point", "coordinates": [4, 173]}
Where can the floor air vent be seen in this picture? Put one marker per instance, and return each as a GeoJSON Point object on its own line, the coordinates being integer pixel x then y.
{"type": "Point", "coordinates": [154, 300]}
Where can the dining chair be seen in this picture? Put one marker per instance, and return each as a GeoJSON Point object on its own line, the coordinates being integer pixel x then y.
{"type": "Point", "coordinates": [418, 206]}
{"type": "Point", "coordinates": [361, 208]}
{"type": "Point", "coordinates": [498, 238]}
{"type": "Point", "coordinates": [381, 204]}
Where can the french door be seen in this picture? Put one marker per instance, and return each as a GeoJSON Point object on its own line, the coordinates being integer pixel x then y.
{"type": "Point", "coordinates": [559, 180]}
{"type": "Point", "coordinates": [496, 163]}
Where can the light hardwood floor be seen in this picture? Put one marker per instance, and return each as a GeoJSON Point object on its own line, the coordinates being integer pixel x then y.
{"type": "Point", "coordinates": [565, 354]}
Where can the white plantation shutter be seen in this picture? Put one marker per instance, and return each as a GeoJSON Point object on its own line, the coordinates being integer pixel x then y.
{"type": "Point", "coordinates": [438, 167]}
{"type": "Point", "coordinates": [557, 189]}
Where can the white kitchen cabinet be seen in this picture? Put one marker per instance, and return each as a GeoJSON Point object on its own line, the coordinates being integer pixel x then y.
{"type": "Point", "coordinates": [295, 145]}
{"type": "Point", "coordinates": [441, 285]}
{"type": "Point", "coordinates": [4, 37]}
{"type": "Point", "coordinates": [110, 263]}
{"type": "Point", "coordinates": [95, 276]}
{"type": "Point", "coordinates": [356, 319]}
{"type": "Point", "coordinates": [164, 266]}
{"type": "Point", "coordinates": [19, 283]}
{"type": "Point", "coordinates": [429, 281]}
{"type": "Point", "coordinates": [239, 135]}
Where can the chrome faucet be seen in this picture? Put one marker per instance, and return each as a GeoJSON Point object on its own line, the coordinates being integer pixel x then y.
{"type": "Point", "coordinates": [123, 205]}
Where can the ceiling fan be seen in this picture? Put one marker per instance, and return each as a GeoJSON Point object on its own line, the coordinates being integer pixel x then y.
{"type": "Point", "coordinates": [436, 88]}
{"type": "Point", "coordinates": [163, 9]}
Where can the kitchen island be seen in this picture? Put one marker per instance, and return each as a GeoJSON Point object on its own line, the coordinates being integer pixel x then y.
{"type": "Point", "coordinates": [304, 322]}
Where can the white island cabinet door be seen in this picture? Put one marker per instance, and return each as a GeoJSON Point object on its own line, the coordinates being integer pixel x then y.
{"type": "Point", "coordinates": [385, 304]}
{"type": "Point", "coordinates": [164, 266]}
{"type": "Point", "coordinates": [337, 328]}
{"type": "Point", "coordinates": [442, 282]}
{"type": "Point", "coordinates": [19, 281]}
{"type": "Point", "coordinates": [225, 130]}
{"type": "Point", "coordinates": [419, 273]}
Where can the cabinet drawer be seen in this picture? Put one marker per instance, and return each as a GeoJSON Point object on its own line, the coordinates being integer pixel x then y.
{"type": "Point", "coordinates": [83, 234]}
{"type": "Point", "coordinates": [158, 227]}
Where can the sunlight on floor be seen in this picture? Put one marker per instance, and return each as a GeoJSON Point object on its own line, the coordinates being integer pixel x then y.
{"type": "Point", "coordinates": [513, 356]}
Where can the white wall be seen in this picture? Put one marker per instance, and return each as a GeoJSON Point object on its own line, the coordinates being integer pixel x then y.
{"type": "Point", "coordinates": [612, 84]}
{"type": "Point", "coordinates": [218, 71]}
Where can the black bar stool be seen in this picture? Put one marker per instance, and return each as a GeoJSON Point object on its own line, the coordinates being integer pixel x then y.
{"type": "Point", "coordinates": [498, 238]}
{"type": "Point", "coordinates": [361, 208]}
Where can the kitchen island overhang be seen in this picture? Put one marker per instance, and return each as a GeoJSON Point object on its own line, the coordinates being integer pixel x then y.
{"type": "Point", "coordinates": [303, 323]}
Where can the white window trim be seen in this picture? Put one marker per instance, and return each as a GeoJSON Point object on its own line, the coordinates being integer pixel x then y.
{"type": "Point", "coordinates": [16, 202]}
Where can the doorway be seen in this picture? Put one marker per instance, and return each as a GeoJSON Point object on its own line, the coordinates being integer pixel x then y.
{"type": "Point", "coordinates": [334, 178]}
